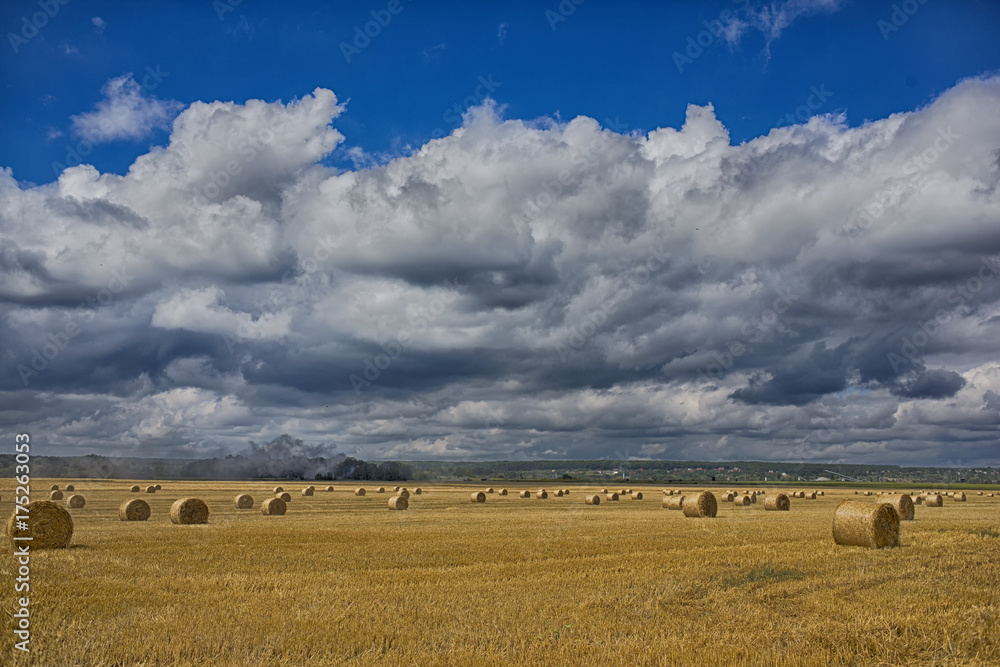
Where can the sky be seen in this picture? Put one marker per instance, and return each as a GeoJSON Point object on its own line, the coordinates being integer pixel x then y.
{"type": "Point", "coordinates": [557, 230]}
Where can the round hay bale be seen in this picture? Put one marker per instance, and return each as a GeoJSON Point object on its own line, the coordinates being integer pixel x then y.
{"type": "Point", "coordinates": [70, 487]}
{"type": "Point", "coordinates": [418, 490]}
{"type": "Point", "coordinates": [623, 492]}
{"type": "Point", "coordinates": [933, 500]}
{"type": "Point", "coordinates": [403, 493]}
{"type": "Point", "coordinates": [380, 489]}
{"type": "Point", "coordinates": [244, 501]}
{"type": "Point", "coordinates": [502, 492]}
{"type": "Point", "coordinates": [278, 489]}
{"type": "Point", "coordinates": [701, 505]}
{"type": "Point", "coordinates": [398, 503]}
{"type": "Point", "coordinates": [741, 501]}
{"type": "Point", "coordinates": [311, 488]}
{"type": "Point", "coordinates": [613, 497]}
{"type": "Point", "coordinates": [960, 497]}
{"type": "Point", "coordinates": [628, 491]}
{"type": "Point", "coordinates": [903, 505]}
{"type": "Point", "coordinates": [56, 495]}
{"type": "Point", "coordinates": [673, 502]}
{"type": "Point", "coordinates": [868, 493]}
{"type": "Point", "coordinates": [489, 490]}
{"type": "Point", "coordinates": [525, 494]}
{"type": "Point", "coordinates": [150, 489]}
{"type": "Point", "coordinates": [604, 490]}
{"type": "Point", "coordinates": [753, 498]}
{"type": "Point", "coordinates": [668, 492]}
{"type": "Point", "coordinates": [308, 491]}
{"type": "Point", "coordinates": [777, 503]}
{"type": "Point", "coordinates": [54, 487]}
{"type": "Point", "coordinates": [478, 497]}
{"type": "Point", "coordinates": [565, 492]}
{"type": "Point", "coordinates": [188, 511]}
{"type": "Point", "coordinates": [559, 493]}
{"type": "Point", "coordinates": [136, 509]}
{"type": "Point", "coordinates": [134, 488]}
{"type": "Point", "coordinates": [329, 488]}
{"type": "Point", "coordinates": [811, 495]}
{"type": "Point", "coordinates": [822, 493]}
{"type": "Point", "coordinates": [855, 493]}
{"type": "Point", "coordinates": [728, 498]}
{"type": "Point", "coordinates": [50, 525]}
{"type": "Point", "coordinates": [637, 495]}
{"type": "Point", "coordinates": [592, 500]}
{"type": "Point", "coordinates": [76, 501]}
{"type": "Point", "coordinates": [285, 497]}
{"type": "Point", "coordinates": [918, 500]}
{"type": "Point", "coordinates": [158, 487]}
{"type": "Point", "coordinates": [872, 525]}
{"type": "Point", "coordinates": [273, 507]}
{"type": "Point", "coordinates": [395, 488]}
{"type": "Point", "coordinates": [541, 494]}
{"type": "Point", "coordinates": [360, 491]}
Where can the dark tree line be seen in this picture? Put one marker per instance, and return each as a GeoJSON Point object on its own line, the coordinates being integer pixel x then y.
{"type": "Point", "coordinates": [352, 468]}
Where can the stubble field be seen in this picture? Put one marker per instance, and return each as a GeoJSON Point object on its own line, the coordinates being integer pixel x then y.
{"type": "Point", "coordinates": [341, 579]}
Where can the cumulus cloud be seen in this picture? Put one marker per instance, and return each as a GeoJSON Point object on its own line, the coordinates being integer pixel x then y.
{"type": "Point", "coordinates": [518, 290]}
{"type": "Point", "coordinates": [126, 112]}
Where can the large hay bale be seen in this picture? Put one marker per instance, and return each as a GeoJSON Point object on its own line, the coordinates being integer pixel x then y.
{"type": "Point", "coordinates": [741, 501]}
{"type": "Point", "coordinates": [380, 489]}
{"type": "Point", "coordinates": [76, 501]}
{"type": "Point", "coordinates": [189, 511]}
{"type": "Point", "coordinates": [525, 494]}
{"type": "Point", "coordinates": [933, 500]}
{"type": "Point", "coordinates": [330, 488]}
{"type": "Point", "coordinates": [49, 524]}
{"type": "Point", "coordinates": [541, 494]}
{"type": "Point", "coordinates": [278, 489]}
{"type": "Point", "coordinates": [273, 507]}
{"type": "Point", "coordinates": [134, 488]}
{"type": "Point", "coordinates": [54, 487]}
{"type": "Point", "coordinates": [592, 499]}
{"type": "Point", "coordinates": [701, 505]}
{"type": "Point", "coordinates": [637, 495]}
{"type": "Point", "coordinates": [673, 502]}
{"type": "Point", "coordinates": [502, 492]}
{"type": "Point", "coordinates": [613, 497]}
{"type": "Point", "coordinates": [777, 503]}
{"type": "Point", "coordinates": [285, 497]}
{"type": "Point", "coordinates": [872, 525]}
{"type": "Point", "coordinates": [150, 489]}
{"type": "Point", "coordinates": [903, 505]}
{"type": "Point", "coordinates": [308, 491]}
{"type": "Point", "coordinates": [70, 487]}
{"type": "Point", "coordinates": [398, 503]}
{"type": "Point", "coordinates": [360, 491]}
{"type": "Point", "coordinates": [418, 491]}
{"type": "Point", "coordinates": [56, 495]}
{"type": "Point", "coordinates": [244, 501]}
{"type": "Point", "coordinates": [136, 509]}
{"type": "Point", "coordinates": [478, 497]}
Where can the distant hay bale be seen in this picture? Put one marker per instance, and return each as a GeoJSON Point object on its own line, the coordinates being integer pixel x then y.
{"type": "Point", "coordinates": [623, 492]}
{"type": "Point", "coordinates": [822, 493]}
{"type": "Point", "coordinates": [478, 497]}
{"type": "Point", "coordinates": [613, 497]}
{"type": "Point", "coordinates": [668, 492]}
{"type": "Point", "coordinates": [278, 490]}
{"type": "Point", "coordinates": [380, 489]}
{"type": "Point", "coordinates": [811, 495]}
{"type": "Point", "coordinates": [244, 501]}
{"type": "Point", "coordinates": [398, 503]}
{"type": "Point", "coordinates": [158, 487]}
{"type": "Point", "coordinates": [701, 505]}
{"type": "Point", "coordinates": [728, 498]}
{"type": "Point", "coordinates": [502, 492]}
{"type": "Point", "coordinates": [933, 500]}
{"type": "Point", "coordinates": [960, 497]}
{"type": "Point", "coordinates": [403, 493]}
{"type": "Point", "coordinates": [777, 503]}
{"type": "Point", "coordinates": [855, 493]}
{"type": "Point", "coordinates": [559, 493]}
{"type": "Point", "coordinates": [311, 487]}
{"type": "Point", "coordinates": [868, 493]}
{"type": "Point", "coordinates": [753, 498]}
{"type": "Point", "coordinates": [418, 491]}
{"type": "Point", "coordinates": [918, 500]}
{"type": "Point", "coordinates": [54, 487]}
{"type": "Point", "coordinates": [285, 497]}
{"type": "Point", "coordinates": [360, 491]}
{"type": "Point", "coordinates": [628, 491]}
{"type": "Point", "coordinates": [741, 501]}
{"type": "Point", "coordinates": [308, 491]}
{"type": "Point", "coordinates": [134, 488]}
{"type": "Point", "coordinates": [592, 499]}
{"type": "Point", "coordinates": [541, 494]}
{"type": "Point", "coordinates": [860, 524]}
{"type": "Point", "coordinates": [187, 511]}
{"type": "Point", "coordinates": [56, 495]}
{"type": "Point", "coordinates": [273, 507]}
{"type": "Point", "coordinates": [136, 509]}
{"type": "Point", "coordinates": [673, 502]}
{"type": "Point", "coordinates": [50, 526]}
{"type": "Point", "coordinates": [903, 505]}
{"type": "Point", "coordinates": [70, 487]}
{"type": "Point", "coordinates": [604, 490]}
{"type": "Point", "coordinates": [76, 501]}
{"type": "Point", "coordinates": [637, 495]}
{"type": "Point", "coordinates": [330, 488]}
{"type": "Point", "coordinates": [395, 488]}
{"type": "Point", "coordinates": [525, 494]}
{"type": "Point", "coordinates": [489, 489]}
{"type": "Point", "coordinates": [150, 489]}
{"type": "Point", "coordinates": [565, 492]}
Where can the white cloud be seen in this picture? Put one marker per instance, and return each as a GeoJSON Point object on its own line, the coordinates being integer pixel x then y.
{"type": "Point", "coordinates": [99, 23]}
{"type": "Point", "coordinates": [126, 112]}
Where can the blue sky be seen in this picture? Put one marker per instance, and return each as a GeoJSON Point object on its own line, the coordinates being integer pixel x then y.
{"type": "Point", "coordinates": [689, 231]}
{"type": "Point", "coordinates": [606, 61]}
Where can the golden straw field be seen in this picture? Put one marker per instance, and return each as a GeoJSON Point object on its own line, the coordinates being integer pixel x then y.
{"type": "Point", "coordinates": [341, 579]}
